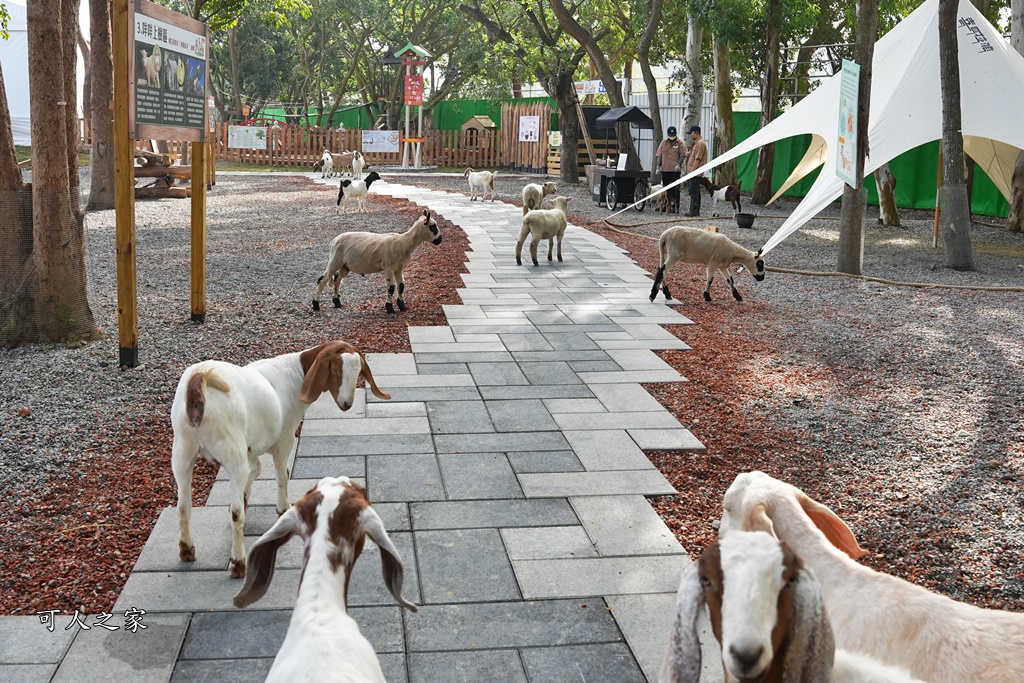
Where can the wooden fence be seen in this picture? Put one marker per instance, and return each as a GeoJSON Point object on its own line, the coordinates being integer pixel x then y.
{"type": "Point", "coordinates": [300, 147]}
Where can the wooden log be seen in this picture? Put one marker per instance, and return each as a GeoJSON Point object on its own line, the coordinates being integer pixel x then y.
{"type": "Point", "coordinates": [151, 159]}
{"type": "Point", "coordinates": [181, 192]}
{"type": "Point", "coordinates": [177, 172]}
{"type": "Point", "coordinates": [198, 234]}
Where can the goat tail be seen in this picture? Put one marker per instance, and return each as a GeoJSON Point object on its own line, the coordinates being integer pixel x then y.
{"type": "Point", "coordinates": [195, 393]}
{"type": "Point", "coordinates": [368, 378]}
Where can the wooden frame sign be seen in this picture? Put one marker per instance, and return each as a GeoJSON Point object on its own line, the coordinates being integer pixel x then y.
{"type": "Point", "coordinates": [168, 69]}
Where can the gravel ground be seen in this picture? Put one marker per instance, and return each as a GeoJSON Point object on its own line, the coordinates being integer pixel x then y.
{"type": "Point", "coordinates": [899, 407]}
{"type": "Point", "coordinates": [85, 447]}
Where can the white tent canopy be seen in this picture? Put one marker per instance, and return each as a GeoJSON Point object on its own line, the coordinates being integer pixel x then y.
{"type": "Point", "coordinates": [14, 59]}
{"type": "Point", "coordinates": [906, 109]}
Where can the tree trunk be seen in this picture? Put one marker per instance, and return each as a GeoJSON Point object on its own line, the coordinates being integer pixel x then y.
{"type": "Point", "coordinates": [83, 47]}
{"type": "Point", "coordinates": [600, 62]}
{"type": "Point", "coordinates": [694, 72]}
{"type": "Point", "coordinates": [69, 39]}
{"type": "Point", "coordinates": [10, 172]}
{"type": "Point", "coordinates": [885, 184]}
{"type": "Point", "coordinates": [236, 91]}
{"type": "Point", "coordinates": [1015, 221]}
{"type": "Point", "coordinates": [565, 97]}
{"type": "Point", "coordinates": [725, 129]}
{"type": "Point", "coordinates": [644, 57]}
{"type": "Point", "coordinates": [769, 101]}
{"type": "Point", "coordinates": [101, 186]}
{"type": "Point", "coordinates": [15, 231]}
{"type": "Point", "coordinates": [955, 218]}
{"type": "Point", "coordinates": [851, 229]}
{"type": "Point", "coordinates": [60, 310]}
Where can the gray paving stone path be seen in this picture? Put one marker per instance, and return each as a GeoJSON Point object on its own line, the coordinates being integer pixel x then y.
{"type": "Point", "coordinates": [508, 468]}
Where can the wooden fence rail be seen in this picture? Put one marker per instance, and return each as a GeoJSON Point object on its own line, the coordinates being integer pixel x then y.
{"type": "Point", "coordinates": [300, 147]}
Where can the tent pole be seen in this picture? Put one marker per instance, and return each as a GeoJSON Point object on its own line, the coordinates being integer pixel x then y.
{"type": "Point", "coordinates": [938, 189]}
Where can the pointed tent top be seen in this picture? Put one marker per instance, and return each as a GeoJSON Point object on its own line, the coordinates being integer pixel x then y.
{"type": "Point", "coordinates": [414, 49]}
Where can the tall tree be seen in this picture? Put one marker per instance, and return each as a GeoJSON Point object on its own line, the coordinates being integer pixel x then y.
{"type": "Point", "coordinates": [101, 185]}
{"type": "Point", "coordinates": [851, 229]}
{"type": "Point", "coordinates": [694, 68]}
{"type": "Point", "coordinates": [769, 101]}
{"type": "Point", "coordinates": [535, 38]}
{"type": "Point", "coordinates": [1015, 221]}
{"type": "Point", "coordinates": [52, 303]}
{"type": "Point", "coordinates": [644, 58]}
{"type": "Point", "coordinates": [725, 128]}
{"type": "Point", "coordinates": [955, 218]}
{"type": "Point", "coordinates": [587, 40]}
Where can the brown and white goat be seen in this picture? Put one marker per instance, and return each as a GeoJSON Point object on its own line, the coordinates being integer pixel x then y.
{"type": "Point", "coordinates": [728, 193]}
{"type": "Point", "coordinates": [767, 615]}
{"type": "Point", "coordinates": [718, 252]}
{"type": "Point", "coordinates": [232, 415]}
{"type": "Point", "coordinates": [364, 253]}
{"type": "Point", "coordinates": [323, 642]}
{"type": "Point", "coordinates": [899, 623]}
{"type": "Point", "coordinates": [481, 183]}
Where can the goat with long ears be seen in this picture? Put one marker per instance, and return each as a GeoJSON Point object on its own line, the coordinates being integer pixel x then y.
{"type": "Point", "coordinates": [767, 614]}
{"type": "Point", "coordinates": [323, 642]}
{"type": "Point", "coordinates": [232, 415]}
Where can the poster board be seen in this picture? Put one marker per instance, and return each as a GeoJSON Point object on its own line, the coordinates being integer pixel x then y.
{"type": "Point", "coordinates": [247, 137]}
{"type": "Point", "coordinates": [849, 89]}
{"type": "Point", "coordinates": [168, 73]}
{"type": "Point", "coordinates": [413, 90]}
{"type": "Point", "coordinates": [529, 128]}
{"type": "Point", "coordinates": [382, 141]}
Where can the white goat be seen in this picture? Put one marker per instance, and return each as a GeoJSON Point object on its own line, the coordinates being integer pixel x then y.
{"type": "Point", "coordinates": [768, 616]}
{"type": "Point", "coordinates": [151, 68]}
{"type": "Point", "coordinates": [355, 191]}
{"type": "Point", "coordinates": [325, 165]}
{"type": "Point", "coordinates": [480, 183]}
{"type": "Point", "coordinates": [543, 224]}
{"type": "Point", "coordinates": [936, 638]}
{"type": "Point", "coordinates": [358, 164]}
{"type": "Point", "coordinates": [718, 252]}
{"type": "Point", "coordinates": [533, 195]}
{"type": "Point", "coordinates": [232, 415]}
{"type": "Point", "coordinates": [323, 642]}
{"type": "Point", "coordinates": [364, 253]}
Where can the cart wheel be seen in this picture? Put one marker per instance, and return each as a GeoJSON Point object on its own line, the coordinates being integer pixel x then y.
{"type": "Point", "coordinates": [639, 193]}
{"type": "Point", "coordinates": [611, 195]}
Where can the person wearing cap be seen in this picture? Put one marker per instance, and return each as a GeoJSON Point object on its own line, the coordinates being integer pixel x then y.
{"type": "Point", "coordinates": [669, 158]}
{"type": "Point", "coordinates": [697, 157]}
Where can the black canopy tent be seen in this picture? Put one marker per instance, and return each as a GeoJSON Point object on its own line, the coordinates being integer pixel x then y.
{"type": "Point", "coordinates": [612, 186]}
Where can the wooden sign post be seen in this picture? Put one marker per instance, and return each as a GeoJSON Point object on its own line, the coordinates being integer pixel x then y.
{"type": "Point", "coordinates": [413, 58]}
{"type": "Point", "coordinates": [161, 64]}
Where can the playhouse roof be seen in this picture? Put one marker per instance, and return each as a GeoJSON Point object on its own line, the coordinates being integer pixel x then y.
{"type": "Point", "coordinates": [415, 49]}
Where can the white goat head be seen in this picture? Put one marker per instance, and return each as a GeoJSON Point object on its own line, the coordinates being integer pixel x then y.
{"type": "Point", "coordinates": [336, 367]}
{"type": "Point", "coordinates": [766, 613]}
{"type": "Point", "coordinates": [751, 501]}
{"type": "Point", "coordinates": [333, 518]}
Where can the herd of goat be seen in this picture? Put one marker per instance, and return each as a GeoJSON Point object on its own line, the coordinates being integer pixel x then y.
{"type": "Point", "coordinates": [787, 601]}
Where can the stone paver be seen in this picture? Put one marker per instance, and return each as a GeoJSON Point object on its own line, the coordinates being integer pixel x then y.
{"type": "Point", "coordinates": [508, 469]}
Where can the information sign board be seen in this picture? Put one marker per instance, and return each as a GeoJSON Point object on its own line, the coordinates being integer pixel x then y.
{"type": "Point", "coordinates": [383, 141]}
{"type": "Point", "coordinates": [247, 137]}
{"type": "Point", "coordinates": [169, 60]}
{"type": "Point", "coordinates": [846, 149]}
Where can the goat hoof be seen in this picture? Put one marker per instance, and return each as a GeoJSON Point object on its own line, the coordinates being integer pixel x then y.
{"type": "Point", "coordinates": [316, 305]}
{"type": "Point", "coordinates": [236, 568]}
{"type": "Point", "coordinates": [519, 262]}
{"type": "Point", "coordinates": [736, 295]}
{"type": "Point", "coordinates": [535, 263]}
{"type": "Point", "coordinates": [401, 306]}
{"type": "Point", "coordinates": [389, 307]}
{"type": "Point", "coordinates": [707, 297]}
{"type": "Point", "coordinates": [186, 553]}
{"type": "Point", "coordinates": [653, 297]}
{"type": "Point", "coordinates": [337, 302]}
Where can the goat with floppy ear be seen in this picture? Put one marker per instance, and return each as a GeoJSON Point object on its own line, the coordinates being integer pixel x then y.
{"type": "Point", "coordinates": [767, 614]}
{"type": "Point", "coordinates": [323, 642]}
{"type": "Point", "coordinates": [232, 415]}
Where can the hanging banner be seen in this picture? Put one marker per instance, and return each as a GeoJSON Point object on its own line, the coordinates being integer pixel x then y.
{"type": "Point", "coordinates": [383, 141]}
{"type": "Point", "coordinates": [529, 128]}
{"type": "Point", "coordinates": [413, 91]}
{"type": "Point", "coordinates": [169, 65]}
{"type": "Point", "coordinates": [846, 150]}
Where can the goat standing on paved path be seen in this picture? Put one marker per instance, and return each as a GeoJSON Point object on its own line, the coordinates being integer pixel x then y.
{"type": "Point", "coordinates": [323, 643]}
{"type": "Point", "coordinates": [364, 253]}
{"type": "Point", "coordinates": [543, 224]}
